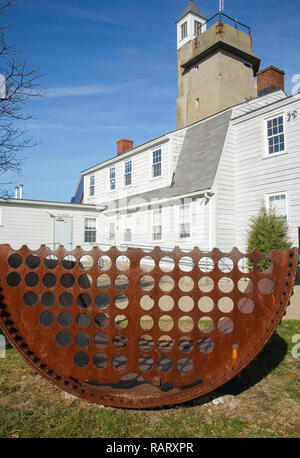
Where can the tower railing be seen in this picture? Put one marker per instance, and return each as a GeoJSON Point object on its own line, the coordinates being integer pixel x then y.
{"type": "Point", "coordinates": [221, 15]}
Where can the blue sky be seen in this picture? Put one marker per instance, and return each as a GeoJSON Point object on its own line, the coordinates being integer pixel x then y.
{"type": "Point", "coordinates": [111, 72]}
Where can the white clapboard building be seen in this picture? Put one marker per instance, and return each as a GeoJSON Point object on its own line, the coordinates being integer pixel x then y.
{"type": "Point", "coordinates": [237, 144]}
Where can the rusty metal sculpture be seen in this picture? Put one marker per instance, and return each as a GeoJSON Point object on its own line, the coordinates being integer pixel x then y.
{"type": "Point", "coordinates": [137, 330]}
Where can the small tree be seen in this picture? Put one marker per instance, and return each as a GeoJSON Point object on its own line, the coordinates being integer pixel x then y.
{"type": "Point", "coordinates": [268, 231]}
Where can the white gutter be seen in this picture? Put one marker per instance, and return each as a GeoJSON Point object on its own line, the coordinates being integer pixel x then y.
{"type": "Point", "coordinates": [41, 203]}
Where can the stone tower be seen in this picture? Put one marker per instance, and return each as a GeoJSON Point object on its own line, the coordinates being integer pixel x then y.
{"type": "Point", "coordinates": [216, 66]}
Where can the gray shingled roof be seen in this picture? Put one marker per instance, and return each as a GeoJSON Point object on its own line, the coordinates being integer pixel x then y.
{"type": "Point", "coordinates": [191, 8]}
{"type": "Point", "coordinates": [198, 161]}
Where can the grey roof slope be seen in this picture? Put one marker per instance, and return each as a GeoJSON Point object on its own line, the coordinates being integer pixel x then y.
{"type": "Point", "coordinates": [198, 161]}
{"type": "Point", "coordinates": [191, 8]}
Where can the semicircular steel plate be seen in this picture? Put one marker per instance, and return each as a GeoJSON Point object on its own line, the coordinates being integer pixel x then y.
{"type": "Point", "coordinates": [137, 330]}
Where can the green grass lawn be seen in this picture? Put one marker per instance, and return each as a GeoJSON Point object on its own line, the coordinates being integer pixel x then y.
{"type": "Point", "coordinates": [263, 401]}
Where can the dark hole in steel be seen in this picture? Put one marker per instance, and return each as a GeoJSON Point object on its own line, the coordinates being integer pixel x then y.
{"type": "Point", "coordinates": [65, 319]}
{"type": "Point", "coordinates": [83, 320]}
{"type": "Point", "coordinates": [48, 299]}
{"type": "Point", "coordinates": [49, 280]}
{"type": "Point", "coordinates": [47, 318]}
{"type": "Point", "coordinates": [66, 300]}
{"type": "Point", "coordinates": [31, 279]}
{"type": "Point", "coordinates": [30, 298]}
{"type": "Point", "coordinates": [13, 279]}
{"type": "Point", "coordinates": [101, 340]}
{"type": "Point", "coordinates": [33, 261]}
{"type": "Point", "coordinates": [82, 339]}
{"type": "Point", "coordinates": [63, 338]}
{"type": "Point", "coordinates": [81, 359]}
{"type": "Point", "coordinates": [15, 260]}
{"type": "Point", "coordinates": [67, 281]}
{"type": "Point", "coordinates": [84, 300]}
{"type": "Point", "coordinates": [102, 301]}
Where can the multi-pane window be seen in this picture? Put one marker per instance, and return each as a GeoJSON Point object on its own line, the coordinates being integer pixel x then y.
{"type": "Point", "coordinates": [128, 173]}
{"type": "Point", "coordinates": [90, 230]}
{"type": "Point", "coordinates": [157, 224]}
{"type": "Point", "coordinates": [92, 186]}
{"type": "Point", "coordinates": [156, 163]}
{"type": "Point", "coordinates": [197, 28]}
{"type": "Point", "coordinates": [184, 221]}
{"type": "Point", "coordinates": [279, 203]}
{"type": "Point", "coordinates": [112, 178]}
{"type": "Point", "coordinates": [276, 142]}
{"type": "Point", "coordinates": [112, 234]}
{"type": "Point", "coordinates": [184, 31]}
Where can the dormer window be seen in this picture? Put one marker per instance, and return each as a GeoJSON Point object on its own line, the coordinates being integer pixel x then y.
{"type": "Point", "coordinates": [92, 186]}
{"type": "Point", "coordinates": [156, 163]}
{"type": "Point", "coordinates": [184, 30]}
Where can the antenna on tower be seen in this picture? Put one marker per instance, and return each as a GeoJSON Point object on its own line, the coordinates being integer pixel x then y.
{"type": "Point", "coordinates": [221, 6]}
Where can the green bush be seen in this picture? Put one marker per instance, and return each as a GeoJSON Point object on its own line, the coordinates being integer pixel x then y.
{"type": "Point", "coordinates": [268, 231]}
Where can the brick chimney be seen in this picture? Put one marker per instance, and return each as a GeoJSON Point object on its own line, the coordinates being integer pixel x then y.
{"type": "Point", "coordinates": [124, 145]}
{"type": "Point", "coordinates": [269, 80]}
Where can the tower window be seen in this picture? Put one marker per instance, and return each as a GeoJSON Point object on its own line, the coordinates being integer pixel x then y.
{"type": "Point", "coordinates": [197, 28]}
{"type": "Point", "coordinates": [184, 31]}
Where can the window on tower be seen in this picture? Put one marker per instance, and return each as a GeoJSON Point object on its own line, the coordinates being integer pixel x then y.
{"type": "Point", "coordinates": [197, 28]}
{"type": "Point", "coordinates": [184, 31]}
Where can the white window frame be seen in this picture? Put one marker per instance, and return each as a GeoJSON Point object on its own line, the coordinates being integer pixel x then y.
{"type": "Point", "coordinates": [267, 136]}
{"type": "Point", "coordinates": [197, 28]}
{"type": "Point", "coordinates": [184, 26]}
{"type": "Point", "coordinates": [282, 193]}
{"type": "Point", "coordinates": [126, 174]}
{"type": "Point", "coordinates": [89, 229]}
{"type": "Point", "coordinates": [155, 163]}
{"type": "Point", "coordinates": [92, 186]}
{"type": "Point", "coordinates": [187, 204]}
{"type": "Point", "coordinates": [112, 179]}
{"type": "Point", "coordinates": [154, 210]}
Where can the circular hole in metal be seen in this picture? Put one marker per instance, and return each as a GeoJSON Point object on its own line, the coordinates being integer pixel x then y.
{"type": "Point", "coordinates": [102, 301]}
{"type": "Point", "coordinates": [84, 300]}
{"type": "Point", "coordinates": [67, 281]}
{"type": "Point", "coordinates": [102, 320]}
{"type": "Point", "coordinates": [121, 282]}
{"type": "Point", "coordinates": [225, 264]}
{"type": "Point", "coordinates": [47, 318]}
{"type": "Point", "coordinates": [146, 303]}
{"type": "Point", "coordinates": [225, 305]}
{"type": "Point", "coordinates": [121, 301]}
{"type": "Point", "coordinates": [68, 262]}
{"type": "Point", "coordinates": [121, 322]}
{"type": "Point", "coordinates": [85, 281]}
{"type": "Point", "coordinates": [63, 338]}
{"type": "Point", "coordinates": [13, 279]}
{"type": "Point", "coordinates": [51, 261]}
{"type": "Point", "coordinates": [166, 283]}
{"type": "Point", "coordinates": [186, 324]}
{"type": "Point", "coordinates": [185, 344]}
{"type": "Point", "coordinates": [147, 283]}
{"type": "Point", "coordinates": [83, 320]}
{"type": "Point", "coordinates": [146, 342]}
{"type": "Point", "coordinates": [166, 323]}
{"type": "Point", "coordinates": [82, 339]}
{"type": "Point", "coordinates": [225, 285]}
{"type": "Point", "coordinates": [186, 303]}
{"type": "Point", "coordinates": [266, 286]}
{"type": "Point", "coordinates": [186, 264]}
{"type": "Point", "coordinates": [48, 299]}
{"type": "Point", "coordinates": [101, 340]}
{"type": "Point", "coordinates": [49, 280]}
{"type": "Point", "coordinates": [147, 264]}
{"type": "Point", "coordinates": [206, 264]}
{"type": "Point", "coordinates": [186, 284]}
{"type": "Point", "coordinates": [245, 265]}
{"type": "Point", "coordinates": [100, 360]}
{"type": "Point", "coordinates": [246, 305]}
{"type": "Point", "coordinates": [245, 285]}
{"type": "Point", "coordinates": [206, 324]}
{"type": "Point", "coordinates": [15, 260]}
{"type": "Point", "coordinates": [120, 341]}
{"type": "Point", "coordinates": [145, 363]}
{"type": "Point", "coordinates": [265, 265]}
{"type": "Point", "coordinates": [164, 364]}
{"type": "Point", "coordinates": [123, 263]}
{"type": "Point", "coordinates": [86, 262]}
{"type": "Point", "coordinates": [119, 362]}
{"type": "Point", "coordinates": [103, 281]}
{"type": "Point", "coordinates": [206, 284]}
{"type": "Point", "coordinates": [165, 343]}
{"type": "Point", "coordinates": [65, 319]}
{"type": "Point", "coordinates": [146, 322]}
{"type": "Point", "coordinates": [66, 300]}
{"type": "Point", "coordinates": [166, 264]}
{"type": "Point", "coordinates": [185, 365]}
{"type": "Point", "coordinates": [33, 261]}
{"type": "Point", "coordinates": [104, 263]}
{"type": "Point", "coordinates": [225, 325]}
{"type": "Point", "coordinates": [205, 345]}
{"type": "Point", "coordinates": [166, 303]}
{"type": "Point", "coordinates": [81, 359]}
{"type": "Point", "coordinates": [206, 304]}
{"type": "Point", "coordinates": [30, 298]}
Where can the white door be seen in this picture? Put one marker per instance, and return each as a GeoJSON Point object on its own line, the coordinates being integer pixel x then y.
{"type": "Point", "coordinates": [63, 233]}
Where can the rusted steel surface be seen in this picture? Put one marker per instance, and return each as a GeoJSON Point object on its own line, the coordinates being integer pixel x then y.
{"type": "Point", "coordinates": [137, 330]}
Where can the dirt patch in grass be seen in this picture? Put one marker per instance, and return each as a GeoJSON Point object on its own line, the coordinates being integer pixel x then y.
{"type": "Point", "coordinates": [263, 401]}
